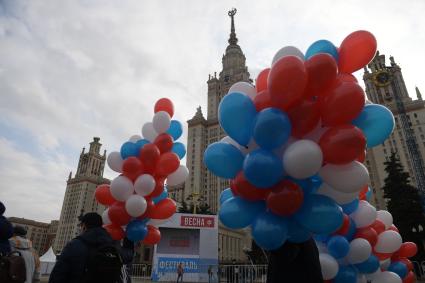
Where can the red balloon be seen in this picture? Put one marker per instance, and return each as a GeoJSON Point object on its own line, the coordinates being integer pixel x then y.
{"type": "Point", "coordinates": [164, 104]}
{"type": "Point", "coordinates": [103, 195]}
{"type": "Point", "coordinates": [118, 215]}
{"type": "Point", "coordinates": [115, 231]}
{"type": "Point", "coordinates": [262, 100]}
{"type": "Point", "coordinates": [304, 117]}
{"type": "Point", "coordinates": [287, 81]}
{"type": "Point", "coordinates": [342, 144]}
{"type": "Point", "coordinates": [159, 187]}
{"type": "Point", "coordinates": [367, 233]}
{"type": "Point", "coordinates": [168, 163]}
{"type": "Point", "coordinates": [153, 237]}
{"type": "Point", "coordinates": [149, 155]}
{"type": "Point", "coordinates": [341, 78]}
{"type": "Point", "coordinates": [379, 226]}
{"type": "Point", "coordinates": [261, 82]}
{"type": "Point", "coordinates": [132, 168]}
{"type": "Point", "coordinates": [394, 228]}
{"type": "Point", "coordinates": [286, 198]}
{"type": "Point", "coordinates": [246, 190]}
{"type": "Point", "coordinates": [407, 262]}
{"type": "Point", "coordinates": [362, 157]}
{"type": "Point", "coordinates": [342, 105]}
{"type": "Point", "coordinates": [382, 256]}
{"type": "Point", "coordinates": [410, 277]}
{"type": "Point", "coordinates": [345, 227]}
{"type": "Point", "coordinates": [164, 142]}
{"type": "Point", "coordinates": [356, 51]}
{"type": "Point", "coordinates": [164, 209]}
{"type": "Point", "coordinates": [408, 249]}
{"type": "Point", "coordinates": [322, 71]}
{"type": "Point", "coordinates": [150, 206]}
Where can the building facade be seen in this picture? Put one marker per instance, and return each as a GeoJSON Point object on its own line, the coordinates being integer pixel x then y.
{"type": "Point", "coordinates": [39, 233]}
{"type": "Point", "coordinates": [79, 195]}
{"type": "Point", "coordinates": [385, 85]}
{"type": "Point", "coordinates": [202, 184]}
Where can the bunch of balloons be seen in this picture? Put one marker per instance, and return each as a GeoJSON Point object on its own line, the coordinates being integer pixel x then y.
{"type": "Point", "coordinates": [137, 200]}
{"type": "Point", "coordinates": [295, 146]}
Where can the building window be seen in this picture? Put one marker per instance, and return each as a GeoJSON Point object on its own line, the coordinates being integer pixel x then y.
{"type": "Point", "coordinates": [415, 115]}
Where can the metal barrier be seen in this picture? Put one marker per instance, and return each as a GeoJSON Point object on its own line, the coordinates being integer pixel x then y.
{"type": "Point", "coordinates": [206, 273]}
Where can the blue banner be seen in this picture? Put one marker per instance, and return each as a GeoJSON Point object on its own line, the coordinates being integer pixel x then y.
{"type": "Point", "coordinates": [170, 264]}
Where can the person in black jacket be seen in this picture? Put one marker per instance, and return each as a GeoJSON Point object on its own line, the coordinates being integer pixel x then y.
{"type": "Point", "coordinates": [6, 232]}
{"type": "Point", "coordinates": [294, 263]}
{"type": "Point", "coordinates": [71, 264]}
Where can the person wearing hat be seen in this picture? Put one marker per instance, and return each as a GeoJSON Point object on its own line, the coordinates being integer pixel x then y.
{"type": "Point", "coordinates": [6, 232]}
{"type": "Point", "coordinates": [23, 246]}
{"type": "Point", "coordinates": [71, 264]}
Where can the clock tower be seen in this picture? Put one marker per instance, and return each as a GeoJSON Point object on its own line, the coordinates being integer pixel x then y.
{"type": "Point", "coordinates": [385, 85]}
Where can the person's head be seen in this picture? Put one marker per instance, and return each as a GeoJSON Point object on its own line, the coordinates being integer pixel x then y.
{"type": "Point", "coordinates": [20, 231]}
{"type": "Point", "coordinates": [2, 208]}
{"type": "Point", "coordinates": [90, 220]}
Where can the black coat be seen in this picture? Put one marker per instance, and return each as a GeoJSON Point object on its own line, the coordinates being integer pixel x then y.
{"type": "Point", "coordinates": [71, 263]}
{"type": "Point", "coordinates": [295, 263]}
{"type": "Point", "coordinates": [6, 232]}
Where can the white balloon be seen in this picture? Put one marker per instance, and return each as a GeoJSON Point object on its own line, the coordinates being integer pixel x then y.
{"type": "Point", "coordinates": [347, 178]}
{"type": "Point", "coordinates": [105, 217]}
{"type": "Point", "coordinates": [135, 138]}
{"type": "Point", "coordinates": [361, 278]}
{"type": "Point", "coordinates": [144, 184]}
{"type": "Point", "coordinates": [149, 132]}
{"type": "Point", "coordinates": [115, 161]}
{"type": "Point", "coordinates": [161, 122]}
{"type": "Point", "coordinates": [231, 141]}
{"type": "Point", "coordinates": [385, 217]}
{"type": "Point", "coordinates": [387, 277]}
{"type": "Point", "coordinates": [302, 159]}
{"type": "Point", "coordinates": [288, 51]}
{"type": "Point", "coordinates": [178, 177]}
{"type": "Point", "coordinates": [135, 205]}
{"type": "Point", "coordinates": [364, 215]}
{"type": "Point", "coordinates": [374, 275]}
{"type": "Point", "coordinates": [121, 188]}
{"type": "Point", "coordinates": [328, 265]}
{"type": "Point", "coordinates": [245, 88]}
{"type": "Point", "coordinates": [360, 251]}
{"type": "Point", "coordinates": [340, 198]}
{"type": "Point", "coordinates": [388, 242]}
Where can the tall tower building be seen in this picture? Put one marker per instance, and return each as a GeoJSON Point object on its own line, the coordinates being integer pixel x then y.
{"type": "Point", "coordinates": [202, 184]}
{"type": "Point", "coordinates": [79, 195]}
{"type": "Point", "coordinates": [385, 85]}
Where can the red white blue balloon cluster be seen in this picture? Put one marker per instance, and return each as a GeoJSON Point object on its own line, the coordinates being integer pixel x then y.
{"type": "Point", "coordinates": [137, 200]}
{"type": "Point", "coordinates": [294, 152]}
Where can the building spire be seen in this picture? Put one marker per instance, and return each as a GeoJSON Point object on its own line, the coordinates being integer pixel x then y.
{"type": "Point", "coordinates": [233, 39]}
{"type": "Point", "coordinates": [418, 93]}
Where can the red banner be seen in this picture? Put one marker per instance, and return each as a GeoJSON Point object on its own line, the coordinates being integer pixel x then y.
{"type": "Point", "coordinates": [197, 221]}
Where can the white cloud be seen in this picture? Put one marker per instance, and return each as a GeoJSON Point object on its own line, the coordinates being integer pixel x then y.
{"type": "Point", "coordinates": [71, 70]}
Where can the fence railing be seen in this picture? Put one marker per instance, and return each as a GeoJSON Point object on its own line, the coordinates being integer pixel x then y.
{"type": "Point", "coordinates": [205, 273]}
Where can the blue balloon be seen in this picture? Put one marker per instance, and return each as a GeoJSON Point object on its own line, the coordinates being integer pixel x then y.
{"type": "Point", "coordinates": [296, 232]}
{"type": "Point", "coordinates": [321, 238]}
{"type": "Point", "coordinates": [352, 229]}
{"type": "Point", "coordinates": [223, 160]}
{"type": "Point", "coordinates": [399, 268]}
{"type": "Point", "coordinates": [225, 195]}
{"type": "Point", "coordinates": [262, 168]}
{"type": "Point", "coordinates": [309, 185]}
{"type": "Point", "coordinates": [369, 194]}
{"type": "Point", "coordinates": [338, 246]}
{"type": "Point", "coordinates": [346, 274]}
{"type": "Point", "coordinates": [236, 114]}
{"type": "Point", "coordinates": [269, 230]}
{"type": "Point", "coordinates": [136, 230]}
{"type": "Point", "coordinates": [368, 266]}
{"type": "Point", "coordinates": [350, 207]}
{"type": "Point", "coordinates": [162, 196]}
{"type": "Point", "coordinates": [129, 149]}
{"type": "Point", "coordinates": [175, 130]}
{"type": "Point", "coordinates": [376, 122]}
{"type": "Point", "coordinates": [140, 144]}
{"type": "Point", "coordinates": [272, 128]}
{"type": "Point", "coordinates": [237, 213]}
{"type": "Point", "coordinates": [322, 46]}
{"type": "Point", "coordinates": [320, 215]}
{"type": "Point", "coordinates": [179, 149]}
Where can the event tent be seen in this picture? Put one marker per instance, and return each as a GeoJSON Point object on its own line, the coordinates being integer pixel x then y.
{"type": "Point", "coordinates": [47, 261]}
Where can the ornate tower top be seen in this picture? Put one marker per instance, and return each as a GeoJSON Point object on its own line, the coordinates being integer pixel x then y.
{"type": "Point", "coordinates": [233, 39]}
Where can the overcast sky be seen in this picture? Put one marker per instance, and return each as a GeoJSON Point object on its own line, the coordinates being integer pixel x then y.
{"type": "Point", "coordinates": [71, 70]}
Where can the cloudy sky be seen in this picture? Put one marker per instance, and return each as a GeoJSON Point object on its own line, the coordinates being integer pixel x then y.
{"type": "Point", "coordinates": [71, 70]}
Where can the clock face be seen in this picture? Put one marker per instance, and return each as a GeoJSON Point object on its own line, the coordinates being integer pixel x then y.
{"type": "Point", "coordinates": [382, 78]}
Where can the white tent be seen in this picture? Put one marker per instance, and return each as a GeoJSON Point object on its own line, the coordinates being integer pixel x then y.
{"type": "Point", "coordinates": [47, 261]}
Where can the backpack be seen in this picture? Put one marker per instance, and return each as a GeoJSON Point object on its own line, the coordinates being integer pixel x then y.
{"type": "Point", "coordinates": [12, 268]}
{"type": "Point", "coordinates": [104, 264]}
